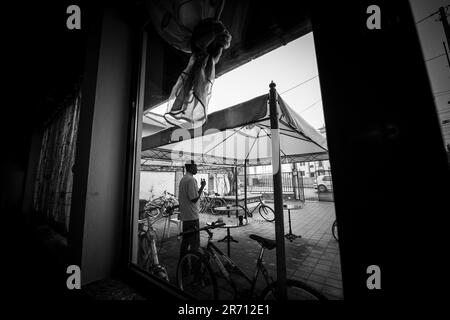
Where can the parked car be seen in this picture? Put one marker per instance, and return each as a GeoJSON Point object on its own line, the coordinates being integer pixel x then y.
{"type": "Point", "coordinates": [323, 184]}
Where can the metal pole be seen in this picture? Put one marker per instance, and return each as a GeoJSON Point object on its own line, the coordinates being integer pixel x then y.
{"type": "Point", "coordinates": [295, 181]}
{"type": "Point", "coordinates": [443, 18]}
{"type": "Point", "coordinates": [236, 185]}
{"type": "Point", "coordinates": [446, 53]}
{"type": "Point", "coordinates": [302, 197]}
{"type": "Point", "coordinates": [315, 177]}
{"type": "Point", "coordinates": [245, 188]}
{"type": "Point", "coordinates": [445, 24]}
{"type": "Point", "coordinates": [277, 194]}
{"type": "Point", "coordinates": [236, 172]}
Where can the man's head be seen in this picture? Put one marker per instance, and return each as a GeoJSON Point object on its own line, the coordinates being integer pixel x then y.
{"type": "Point", "coordinates": [191, 167]}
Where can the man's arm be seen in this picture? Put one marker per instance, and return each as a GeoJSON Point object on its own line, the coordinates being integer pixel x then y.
{"type": "Point", "coordinates": [202, 186]}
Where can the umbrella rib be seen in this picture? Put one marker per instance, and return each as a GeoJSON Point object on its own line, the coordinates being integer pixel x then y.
{"type": "Point", "coordinates": [302, 134]}
{"type": "Point", "coordinates": [254, 141]}
{"type": "Point", "coordinates": [271, 139]}
{"type": "Point", "coordinates": [288, 135]}
{"type": "Point", "coordinates": [307, 137]}
{"type": "Point", "coordinates": [236, 131]}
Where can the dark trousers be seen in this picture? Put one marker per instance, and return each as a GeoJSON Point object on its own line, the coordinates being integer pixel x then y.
{"type": "Point", "coordinates": [190, 241]}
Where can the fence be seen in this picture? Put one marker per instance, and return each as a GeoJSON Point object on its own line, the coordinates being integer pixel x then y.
{"type": "Point", "coordinates": [263, 183]}
{"type": "Point", "coordinates": [294, 185]}
{"type": "Point", "coordinates": [302, 188]}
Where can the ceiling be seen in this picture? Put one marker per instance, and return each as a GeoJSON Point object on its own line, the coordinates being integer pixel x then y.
{"type": "Point", "coordinates": [51, 58]}
{"type": "Point", "coordinates": [257, 27]}
{"type": "Point", "coordinates": [47, 58]}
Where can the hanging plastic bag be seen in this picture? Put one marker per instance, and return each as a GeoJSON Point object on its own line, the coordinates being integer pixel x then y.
{"type": "Point", "coordinates": [193, 27]}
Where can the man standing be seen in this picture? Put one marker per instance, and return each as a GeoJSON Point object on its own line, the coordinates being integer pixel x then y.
{"type": "Point", "coordinates": [189, 207]}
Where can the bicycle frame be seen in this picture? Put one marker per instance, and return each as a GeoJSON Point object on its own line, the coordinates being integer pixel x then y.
{"type": "Point", "coordinates": [208, 202]}
{"type": "Point", "coordinates": [250, 213]}
{"type": "Point", "coordinates": [219, 256]}
{"type": "Point", "coordinates": [222, 261]}
{"type": "Point", "coordinates": [260, 204]}
{"type": "Point", "coordinates": [155, 268]}
{"type": "Point", "coordinates": [151, 235]}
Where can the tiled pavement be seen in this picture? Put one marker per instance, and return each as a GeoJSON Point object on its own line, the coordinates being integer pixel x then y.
{"type": "Point", "coordinates": [313, 258]}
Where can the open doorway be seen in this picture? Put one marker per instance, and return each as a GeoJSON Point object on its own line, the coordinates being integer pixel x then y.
{"type": "Point", "coordinates": [235, 162]}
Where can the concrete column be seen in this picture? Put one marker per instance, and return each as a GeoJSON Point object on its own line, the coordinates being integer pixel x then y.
{"type": "Point", "coordinates": [98, 191]}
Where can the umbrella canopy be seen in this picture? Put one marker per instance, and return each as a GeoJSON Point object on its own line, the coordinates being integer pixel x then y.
{"type": "Point", "coordinates": [238, 133]}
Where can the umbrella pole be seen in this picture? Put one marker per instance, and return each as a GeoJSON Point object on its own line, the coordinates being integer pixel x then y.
{"type": "Point", "coordinates": [245, 189]}
{"type": "Point", "coordinates": [277, 195]}
{"type": "Point", "coordinates": [236, 186]}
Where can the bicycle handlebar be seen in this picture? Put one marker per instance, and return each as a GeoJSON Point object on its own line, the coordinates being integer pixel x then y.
{"type": "Point", "coordinates": [206, 228]}
{"type": "Point", "coordinates": [171, 209]}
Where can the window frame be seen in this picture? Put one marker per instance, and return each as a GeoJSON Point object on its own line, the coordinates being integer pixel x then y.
{"type": "Point", "coordinates": [142, 280]}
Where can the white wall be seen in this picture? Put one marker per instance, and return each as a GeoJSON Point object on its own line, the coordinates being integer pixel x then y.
{"type": "Point", "coordinates": [158, 182]}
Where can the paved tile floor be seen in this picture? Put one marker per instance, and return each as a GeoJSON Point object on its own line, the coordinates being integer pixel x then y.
{"type": "Point", "coordinates": [313, 258]}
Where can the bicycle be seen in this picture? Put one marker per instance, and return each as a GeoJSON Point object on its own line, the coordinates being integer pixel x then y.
{"type": "Point", "coordinates": [147, 252]}
{"type": "Point", "coordinates": [266, 212]}
{"type": "Point", "coordinates": [334, 230]}
{"type": "Point", "coordinates": [156, 208]}
{"type": "Point", "coordinates": [196, 277]}
{"type": "Point", "coordinates": [209, 201]}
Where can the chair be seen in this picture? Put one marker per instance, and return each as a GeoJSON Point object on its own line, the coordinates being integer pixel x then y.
{"type": "Point", "coordinates": [172, 218]}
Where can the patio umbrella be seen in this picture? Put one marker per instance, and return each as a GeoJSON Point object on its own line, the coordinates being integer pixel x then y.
{"type": "Point", "coordinates": [237, 133]}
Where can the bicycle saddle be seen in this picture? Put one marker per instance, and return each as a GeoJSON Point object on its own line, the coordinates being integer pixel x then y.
{"type": "Point", "coordinates": [264, 242]}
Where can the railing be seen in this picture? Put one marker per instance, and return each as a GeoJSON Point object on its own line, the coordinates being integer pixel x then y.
{"type": "Point", "coordinates": [263, 183]}
{"type": "Point", "coordinates": [302, 188]}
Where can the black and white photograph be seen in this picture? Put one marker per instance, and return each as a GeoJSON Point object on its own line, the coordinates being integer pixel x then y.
{"type": "Point", "coordinates": [223, 158]}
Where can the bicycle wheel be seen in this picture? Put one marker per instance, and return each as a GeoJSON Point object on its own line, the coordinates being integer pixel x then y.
{"type": "Point", "coordinates": [296, 290]}
{"type": "Point", "coordinates": [217, 203]}
{"type": "Point", "coordinates": [267, 213]}
{"type": "Point", "coordinates": [203, 205]}
{"type": "Point", "coordinates": [195, 276]}
{"type": "Point", "coordinates": [334, 230]}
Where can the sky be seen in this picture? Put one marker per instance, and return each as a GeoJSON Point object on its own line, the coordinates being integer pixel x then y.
{"type": "Point", "coordinates": [287, 66]}
{"type": "Point", "coordinates": [294, 63]}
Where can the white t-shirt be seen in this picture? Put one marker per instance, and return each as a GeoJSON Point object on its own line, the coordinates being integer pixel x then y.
{"type": "Point", "coordinates": [187, 192]}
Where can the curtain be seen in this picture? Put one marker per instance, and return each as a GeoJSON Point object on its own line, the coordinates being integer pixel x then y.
{"type": "Point", "coordinates": [53, 185]}
{"type": "Point", "coordinates": [192, 27]}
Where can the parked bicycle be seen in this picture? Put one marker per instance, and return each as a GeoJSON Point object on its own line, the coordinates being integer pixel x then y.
{"type": "Point", "coordinates": [147, 252]}
{"type": "Point", "coordinates": [156, 207]}
{"type": "Point", "coordinates": [196, 276]}
{"type": "Point", "coordinates": [210, 201]}
{"type": "Point", "coordinates": [266, 212]}
{"type": "Point", "coordinates": [334, 230]}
